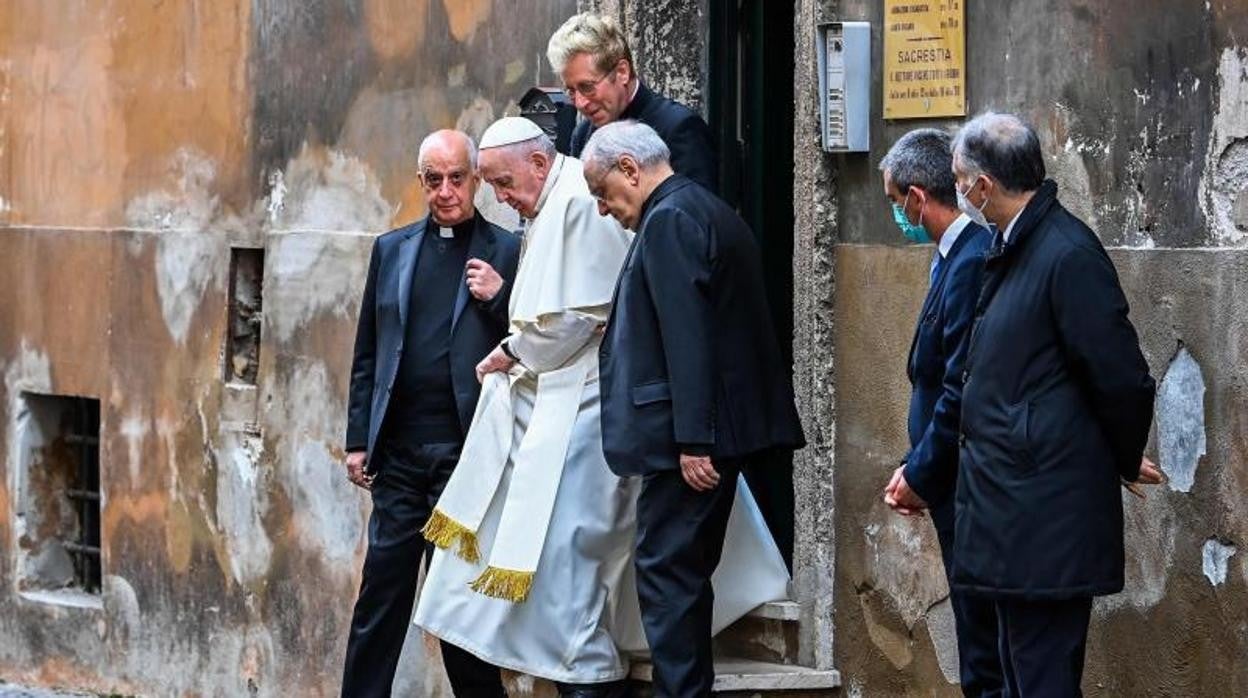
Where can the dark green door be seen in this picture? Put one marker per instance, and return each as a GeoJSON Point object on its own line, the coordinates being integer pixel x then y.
{"type": "Point", "coordinates": [751, 112]}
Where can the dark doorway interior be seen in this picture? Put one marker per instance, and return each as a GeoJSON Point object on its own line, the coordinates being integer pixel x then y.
{"type": "Point", "coordinates": [750, 95]}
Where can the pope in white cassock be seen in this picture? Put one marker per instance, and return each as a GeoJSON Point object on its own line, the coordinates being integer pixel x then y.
{"type": "Point", "coordinates": [535, 533]}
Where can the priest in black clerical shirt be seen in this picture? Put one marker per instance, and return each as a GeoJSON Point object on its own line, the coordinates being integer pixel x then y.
{"type": "Point", "coordinates": [435, 304]}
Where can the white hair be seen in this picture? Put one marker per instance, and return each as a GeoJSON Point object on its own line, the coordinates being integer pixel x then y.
{"type": "Point", "coordinates": [632, 138]}
{"type": "Point", "coordinates": [436, 137]}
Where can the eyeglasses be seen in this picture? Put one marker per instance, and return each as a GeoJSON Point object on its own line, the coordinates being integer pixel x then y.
{"type": "Point", "coordinates": [585, 89]}
{"type": "Point", "coordinates": [434, 180]}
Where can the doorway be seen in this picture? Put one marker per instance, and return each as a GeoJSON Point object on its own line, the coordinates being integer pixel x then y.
{"type": "Point", "coordinates": [750, 105]}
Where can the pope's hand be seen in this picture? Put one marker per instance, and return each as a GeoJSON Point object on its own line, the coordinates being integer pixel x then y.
{"type": "Point", "coordinates": [496, 361]}
{"type": "Point", "coordinates": [699, 472]}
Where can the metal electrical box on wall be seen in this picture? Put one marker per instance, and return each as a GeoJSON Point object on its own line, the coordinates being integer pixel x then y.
{"type": "Point", "coordinates": [843, 50]}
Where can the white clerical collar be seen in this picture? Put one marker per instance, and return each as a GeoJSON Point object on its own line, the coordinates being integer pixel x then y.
{"type": "Point", "coordinates": [1006, 235]}
{"type": "Point", "coordinates": [551, 176]}
{"type": "Point", "coordinates": [951, 234]}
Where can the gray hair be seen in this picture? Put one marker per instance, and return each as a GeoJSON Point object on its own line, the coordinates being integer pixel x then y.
{"type": "Point", "coordinates": [922, 158]}
{"type": "Point", "coordinates": [1004, 147]}
{"type": "Point", "coordinates": [598, 35]}
{"type": "Point", "coordinates": [432, 139]}
{"type": "Point", "coordinates": [632, 138]}
{"type": "Point", "coordinates": [522, 149]}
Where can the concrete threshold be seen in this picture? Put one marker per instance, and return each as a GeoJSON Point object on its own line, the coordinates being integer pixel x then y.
{"type": "Point", "coordinates": [733, 675]}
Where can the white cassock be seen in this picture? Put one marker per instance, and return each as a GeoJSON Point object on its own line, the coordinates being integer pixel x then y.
{"type": "Point", "coordinates": [534, 570]}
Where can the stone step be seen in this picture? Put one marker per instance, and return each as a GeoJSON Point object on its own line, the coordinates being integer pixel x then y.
{"type": "Point", "coordinates": [745, 675]}
{"type": "Point", "coordinates": [789, 611]}
{"type": "Point", "coordinates": [769, 633]}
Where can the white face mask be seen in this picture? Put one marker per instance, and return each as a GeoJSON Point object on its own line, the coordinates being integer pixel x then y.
{"type": "Point", "coordinates": [975, 214]}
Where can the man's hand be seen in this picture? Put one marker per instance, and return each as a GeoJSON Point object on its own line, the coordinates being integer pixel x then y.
{"type": "Point", "coordinates": [483, 282]}
{"type": "Point", "coordinates": [356, 460]}
{"type": "Point", "coordinates": [699, 472]}
{"type": "Point", "coordinates": [899, 496]}
{"type": "Point", "coordinates": [496, 361]}
{"type": "Point", "coordinates": [1149, 475]}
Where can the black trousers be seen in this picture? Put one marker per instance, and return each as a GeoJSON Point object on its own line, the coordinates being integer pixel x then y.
{"type": "Point", "coordinates": [975, 618]}
{"type": "Point", "coordinates": [611, 689]}
{"type": "Point", "coordinates": [408, 480]}
{"type": "Point", "coordinates": [1042, 646]}
{"type": "Point", "coordinates": [680, 537]}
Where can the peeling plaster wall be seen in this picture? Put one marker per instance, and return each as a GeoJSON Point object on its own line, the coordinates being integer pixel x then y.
{"type": "Point", "coordinates": [668, 40]}
{"type": "Point", "coordinates": [1186, 597]}
{"type": "Point", "coordinates": [1140, 107]}
{"type": "Point", "coordinates": [1143, 114]}
{"type": "Point", "coordinates": [139, 142]}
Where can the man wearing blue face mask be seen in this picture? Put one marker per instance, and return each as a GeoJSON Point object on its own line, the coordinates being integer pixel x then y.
{"type": "Point", "coordinates": [919, 183]}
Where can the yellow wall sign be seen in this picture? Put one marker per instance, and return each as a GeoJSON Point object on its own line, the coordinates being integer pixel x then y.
{"type": "Point", "coordinates": [924, 58]}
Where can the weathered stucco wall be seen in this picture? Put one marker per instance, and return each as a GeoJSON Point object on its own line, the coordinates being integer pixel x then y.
{"type": "Point", "coordinates": [1143, 114]}
{"type": "Point", "coordinates": [815, 211]}
{"type": "Point", "coordinates": [1140, 105]}
{"type": "Point", "coordinates": [139, 142]}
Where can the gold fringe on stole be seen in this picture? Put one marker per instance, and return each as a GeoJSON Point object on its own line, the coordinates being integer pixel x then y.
{"type": "Point", "coordinates": [443, 531]}
{"type": "Point", "coordinates": [509, 585]}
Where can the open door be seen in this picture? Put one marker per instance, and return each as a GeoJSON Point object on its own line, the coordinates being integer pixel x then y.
{"type": "Point", "coordinates": [751, 113]}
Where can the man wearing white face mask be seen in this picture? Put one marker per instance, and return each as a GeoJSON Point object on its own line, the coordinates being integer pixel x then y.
{"type": "Point", "coordinates": [919, 184]}
{"type": "Point", "coordinates": [1056, 407]}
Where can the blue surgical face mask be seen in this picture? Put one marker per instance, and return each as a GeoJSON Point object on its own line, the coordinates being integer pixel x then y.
{"type": "Point", "coordinates": [913, 232]}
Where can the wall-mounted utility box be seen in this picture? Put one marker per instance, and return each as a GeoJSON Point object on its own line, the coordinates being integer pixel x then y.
{"type": "Point", "coordinates": [843, 50]}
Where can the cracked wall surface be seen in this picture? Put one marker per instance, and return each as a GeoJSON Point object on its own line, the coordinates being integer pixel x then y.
{"type": "Point", "coordinates": [139, 142]}
{"type": "Point", "coordinates": [1142, 110]}
{"type": "Point", "coordinates": [816, 181]}
{"type": "Point", "coordinates": [1186, 596]}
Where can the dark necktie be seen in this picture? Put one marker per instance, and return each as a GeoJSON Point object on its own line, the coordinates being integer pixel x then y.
{"type": "Point", "coordinates": [936, 264]}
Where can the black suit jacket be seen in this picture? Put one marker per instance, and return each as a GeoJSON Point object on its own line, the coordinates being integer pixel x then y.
{"type": "Point", "coordinates": [684, 132]}
{"type": "Point", "coordinates": [689, 359]}
{"type": "Point", "coordinates": [476, 328]}
{"type": "Point", "coordinates": [1056, 408]}
{"type": "Point", "coordinates": [937, 354]}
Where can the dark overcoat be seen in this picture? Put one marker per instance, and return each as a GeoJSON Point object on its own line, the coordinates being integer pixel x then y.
{"type": "Point", "coordinates": [1056, 407]}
